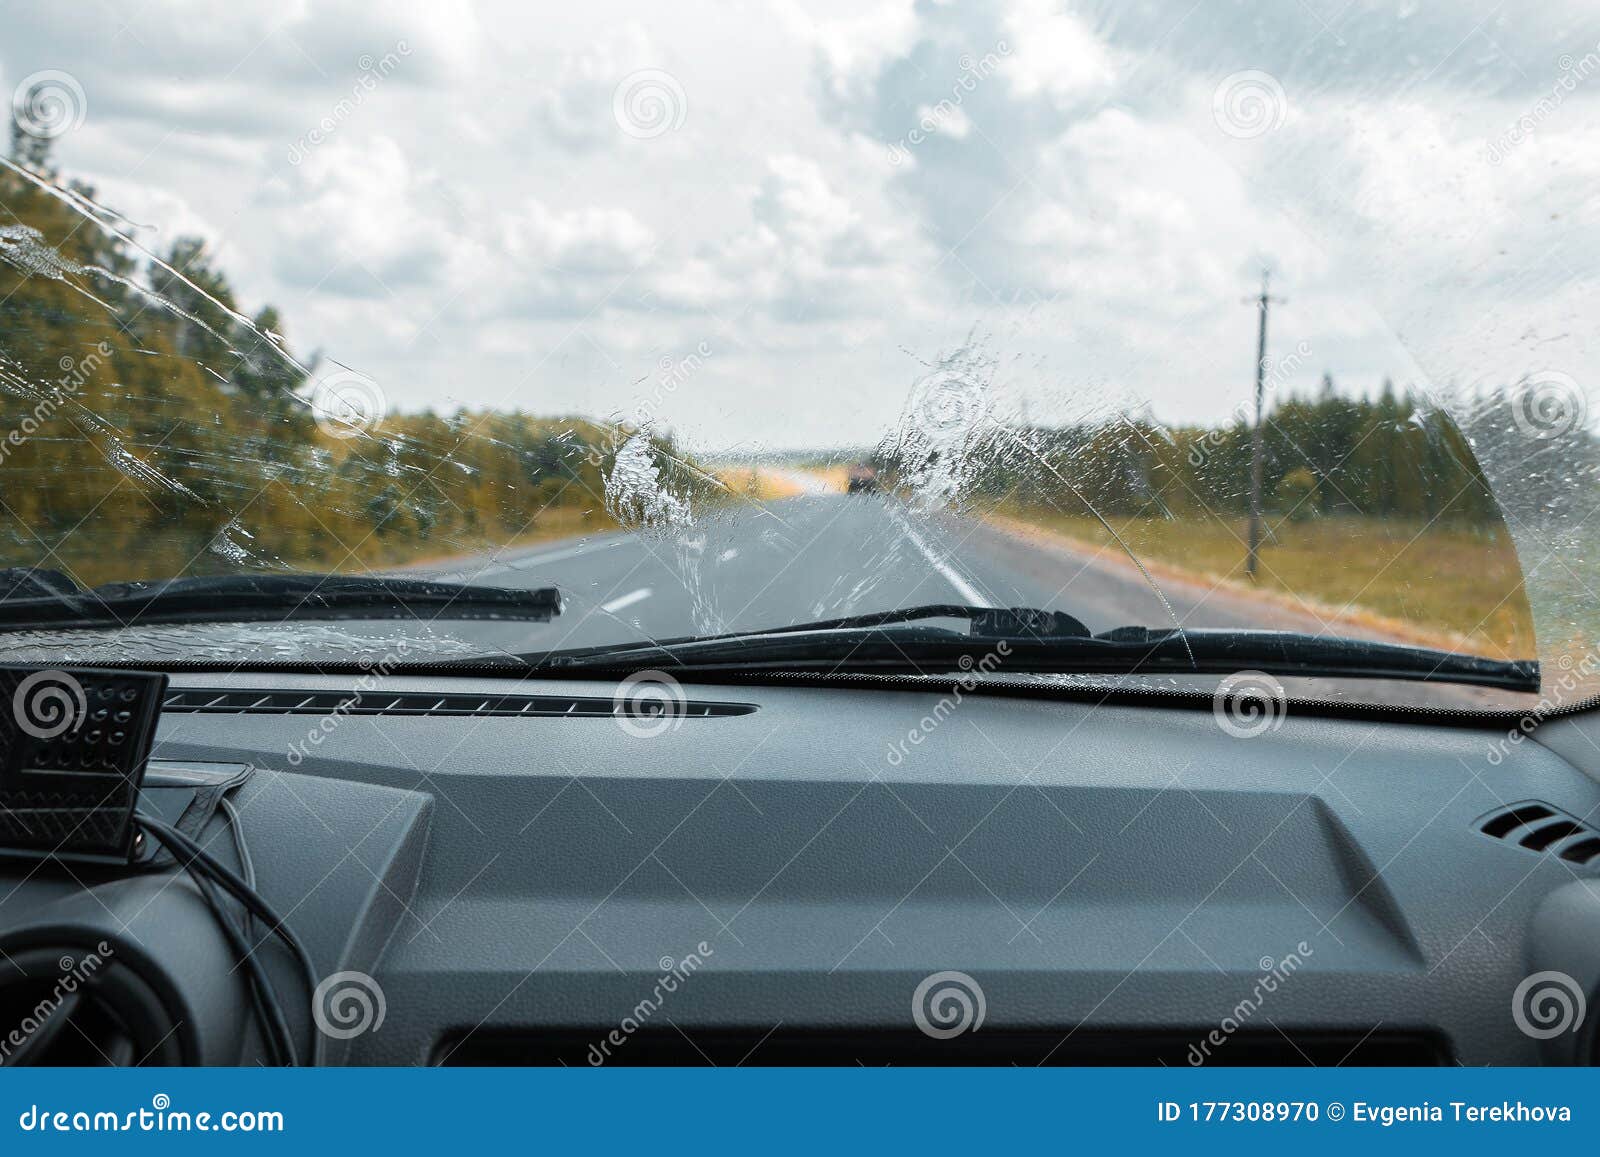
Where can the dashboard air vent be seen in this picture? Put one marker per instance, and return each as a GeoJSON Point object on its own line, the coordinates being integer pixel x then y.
{"type": "Point", "coordinates": [247, 702]}
{"type": "Point", "coordinates": [1541, 827]}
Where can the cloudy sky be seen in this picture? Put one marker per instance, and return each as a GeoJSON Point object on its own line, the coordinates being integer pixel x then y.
{"type": "Point", "coordinates": [542, 206]}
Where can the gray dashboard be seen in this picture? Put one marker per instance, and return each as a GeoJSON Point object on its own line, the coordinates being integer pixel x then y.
{"type": "Point", "coordinates": [1117, 879]}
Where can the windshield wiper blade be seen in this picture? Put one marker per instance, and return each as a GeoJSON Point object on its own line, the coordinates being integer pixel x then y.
{"type": "Point", "coordinates": [42, 600]}
{"type": "Point", "coordinates": [882, 647]}
{"type": "Point", "coordinates": [985, 622]}
{"type": "Point", "coordinates": [1294, 653]}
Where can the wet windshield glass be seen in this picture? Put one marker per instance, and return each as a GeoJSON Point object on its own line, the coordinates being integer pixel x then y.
{"type": "Point", "coordinates": [723, 319]}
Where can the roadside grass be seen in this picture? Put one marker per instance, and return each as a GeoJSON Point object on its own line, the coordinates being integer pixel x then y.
{"type": "Point", "coordinates": [1462, 585]}
{"type": "Point", "coordinates": [754, 483]}
{"type": "Point", "coordinates": [553, 524]}
{"type": "Point", "coordinates": [835, 477]}
{"type": "Point", "coordinates": [159, 556]}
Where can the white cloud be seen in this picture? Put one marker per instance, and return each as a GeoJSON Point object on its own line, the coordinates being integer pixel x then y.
{"type": "Point", "coordinates": [850, 49]}
{"type": "Point", "coordinates": [1133, 213]}
{"type": "Point", "coordinates": [574, 107]}
{"type": "Point", "coordinates": [808, 253]}
{"type": "Point", "coordinates": [579, 241]}
{"type": "Point", "coordinates": [355, 217]}
{"type": "Point", "coordinates": [1054, 53]}
{"type": "Point", "coordinates": [949, 119]}
{"type": "Point", "coordinates": [482, 215]}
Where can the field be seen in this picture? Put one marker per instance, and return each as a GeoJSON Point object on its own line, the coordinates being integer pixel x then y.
{"type": "Point", "coordinates": [757, 484]}
{"type": "Point", "coordinates": [1457, 587]}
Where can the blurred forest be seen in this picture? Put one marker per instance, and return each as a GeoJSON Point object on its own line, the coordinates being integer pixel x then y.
{"type": "Point", "coordinates": [1326, 455]}
{"type": "Point", "coordinates": [149, 428]}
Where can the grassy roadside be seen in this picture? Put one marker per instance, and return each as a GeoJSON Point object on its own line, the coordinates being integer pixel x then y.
{"type": "Point", "coordinates": [754, 483]}
{"type": "Point", "coordinates": [1460, 586]}
{"type": "Point", "coordinates": [160, 557]}
{"type": "Point", "coordinates": [554, 524]}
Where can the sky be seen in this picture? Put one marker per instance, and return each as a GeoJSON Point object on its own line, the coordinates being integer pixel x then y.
{"type": "Point", "coordinates": [762, 223]}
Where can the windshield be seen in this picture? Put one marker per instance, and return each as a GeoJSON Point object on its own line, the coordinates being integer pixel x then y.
{"type": "Point", "coordinates": [730, 318]}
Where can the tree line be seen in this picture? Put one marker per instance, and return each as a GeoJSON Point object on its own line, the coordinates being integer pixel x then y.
{"type": "Point", "coordinates": [149, 427]}
{"type": "Point", "coordinates": [1329, 454]}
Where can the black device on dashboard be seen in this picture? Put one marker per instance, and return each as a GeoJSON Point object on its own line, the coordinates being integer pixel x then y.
{"type": "Point", "coordinates": [73, 747]}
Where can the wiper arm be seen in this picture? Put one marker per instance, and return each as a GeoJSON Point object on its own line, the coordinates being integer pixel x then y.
{"type": "Point", "coordinates": [986, 622]}
{"type": "Point", "coordinates": [1041, 642]}
{"type": "Point", "coordinates": [41, 600]}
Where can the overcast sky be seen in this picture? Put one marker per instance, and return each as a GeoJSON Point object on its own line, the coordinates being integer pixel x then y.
{"type": "Point", "coordinates": [540, 205]}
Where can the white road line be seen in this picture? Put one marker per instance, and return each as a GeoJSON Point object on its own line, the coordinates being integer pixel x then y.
{"type": "Point", "coordinates": [521, 562]}
{"type": "Point", "coordinates": [952, 576]}
{"type": "Point", "coordinates": [626, 600]}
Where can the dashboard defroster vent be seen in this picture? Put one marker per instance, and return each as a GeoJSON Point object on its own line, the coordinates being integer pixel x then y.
{"type": "Point", "coordinates": [254, 702]}
{"type": "Point", "coordinates": [1541, 827]}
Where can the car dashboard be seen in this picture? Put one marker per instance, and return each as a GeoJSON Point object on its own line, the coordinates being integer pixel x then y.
{"type": "Point", "coordinates": [489, 871]}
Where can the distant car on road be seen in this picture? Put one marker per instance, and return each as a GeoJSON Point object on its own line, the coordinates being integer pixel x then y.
{"type": "Point", "coordinates": [861, 479]}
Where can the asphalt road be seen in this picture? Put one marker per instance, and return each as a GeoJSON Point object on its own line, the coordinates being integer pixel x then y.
{"type": "Point", "coordinates": [825, 555]}
{"type": "Point", "coordinates": [800, 559]}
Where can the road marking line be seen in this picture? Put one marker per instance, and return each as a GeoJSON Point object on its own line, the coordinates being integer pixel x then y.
{"type": "Point", "coordinates": [520, 562]}
{"type": "Point", "coordinates": [952, 576]}
{"type": "Point", "coordinates": [626, 600]}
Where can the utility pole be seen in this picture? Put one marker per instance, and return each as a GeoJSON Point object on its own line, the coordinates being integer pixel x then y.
{"type": "Point", "coordinates": [1262, 301]}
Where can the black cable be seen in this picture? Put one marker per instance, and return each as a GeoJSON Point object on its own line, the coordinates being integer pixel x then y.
{"type": "Point", "coordinates": [247, 868]}
{"type": "Point", "coordinates": [263, 997]}
{"type": "Point", "coordinates": [223, 875]}
{"type": "Point", "coordinates": [255, 902]}
{"type": "Point", "coordinates": [230, 880]}
{"type": "Point", "coordinates": [246, 865]}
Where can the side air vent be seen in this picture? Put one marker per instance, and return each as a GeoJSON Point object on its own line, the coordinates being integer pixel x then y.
{"type": "Point", "coordinates": [1540, 827]}
{"type": "Point", "coordinates": [233, 702]}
